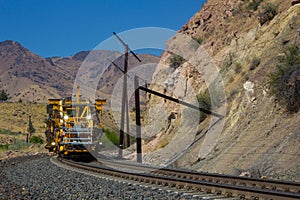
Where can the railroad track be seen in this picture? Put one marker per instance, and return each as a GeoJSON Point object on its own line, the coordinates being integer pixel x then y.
{"type": "Point", "coordinates": [213, 185]}
{"type": "Point", "coordinates": [284, 186]}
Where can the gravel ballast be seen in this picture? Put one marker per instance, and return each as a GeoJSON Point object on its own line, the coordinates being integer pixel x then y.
{"type": "Point", "coordinates": [39, 178]}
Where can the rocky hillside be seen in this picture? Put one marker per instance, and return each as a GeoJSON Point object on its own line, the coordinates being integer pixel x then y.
{"type": "Point", "coordinates": [29, 77]}
{"type": "Point", "coordinates": [245, 41]}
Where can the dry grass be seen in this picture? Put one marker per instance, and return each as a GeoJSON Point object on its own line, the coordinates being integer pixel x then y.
{"type": "Point", "coordinates": [162, 143]}
{"type": "Point", "coordinates": [15, 117]}
{"type": "Point", "coordinates": [14, 124]}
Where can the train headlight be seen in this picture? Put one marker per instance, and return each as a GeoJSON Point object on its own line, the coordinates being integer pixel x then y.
{"type": "Point", "coordinates": [66, 117]}
{"type": "Point", "coordinates": [53, 143]}
{"type": "Point", "coordinates": [88, 117]}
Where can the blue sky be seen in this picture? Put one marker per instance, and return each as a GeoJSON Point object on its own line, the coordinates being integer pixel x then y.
{"type": "Point", "coordinates": [64, 27]}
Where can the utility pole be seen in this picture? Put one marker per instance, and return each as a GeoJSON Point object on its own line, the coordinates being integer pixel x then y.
{"type": "Point", "coordinates": [138, 111]}
{"type": "Point", "coordinates": [138, 120]}
{"type": "Point", "coordinates": [124, 108]}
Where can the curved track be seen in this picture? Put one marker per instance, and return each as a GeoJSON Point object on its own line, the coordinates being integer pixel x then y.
{"type": "Point", "coordinates": [216, 184]}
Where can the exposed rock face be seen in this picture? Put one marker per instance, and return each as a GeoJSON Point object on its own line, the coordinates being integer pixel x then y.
{"type": "Point", "coordinates": [258, 136]}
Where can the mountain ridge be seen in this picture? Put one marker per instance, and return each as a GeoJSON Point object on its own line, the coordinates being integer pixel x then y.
{"type": "Point", "coordinates": [28, 77]}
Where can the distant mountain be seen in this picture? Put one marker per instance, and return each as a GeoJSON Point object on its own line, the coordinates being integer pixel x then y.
{"type": "Point", "coordinates": [29, 77]}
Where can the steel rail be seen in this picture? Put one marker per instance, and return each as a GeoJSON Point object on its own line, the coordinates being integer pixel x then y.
{"type": "Point", "coordinates": [286, 186]}
{"type": "Point", "coordinates": [242, 192]}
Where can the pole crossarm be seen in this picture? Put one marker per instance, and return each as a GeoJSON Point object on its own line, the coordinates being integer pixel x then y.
{"type": "Point", "coordinates": [126, 46]}
{"type": "Point", "coordinates": [180, 102]}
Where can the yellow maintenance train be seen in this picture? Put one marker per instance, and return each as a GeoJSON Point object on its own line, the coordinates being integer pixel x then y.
{"type": "Point", "coordinates": [73, 125]}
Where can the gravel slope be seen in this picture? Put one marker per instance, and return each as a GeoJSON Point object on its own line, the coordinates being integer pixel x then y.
{"type": "Point", "coordinates": [38, 178]}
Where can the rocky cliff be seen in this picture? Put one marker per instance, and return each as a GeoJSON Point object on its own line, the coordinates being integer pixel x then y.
{"type": "Point", "coordinates": [241, 43]}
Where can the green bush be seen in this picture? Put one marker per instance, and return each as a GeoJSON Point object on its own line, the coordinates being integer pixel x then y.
{"type": "Point", "coordinates": [284, 82]}
{"type": "Point", "coordinates": [233, 92]}
{"type": "Point", "coordinates": [36, 140]}
{"type": "Point", "coordinates": [4, 96]}
{"type": "Point", "coordinates": [3, 131]}
{"type": "Point", "coordinates": [212, 97]}
{"type": "Point", "coordinates": [30, 128]}
{"type": "Point", "coordinates": [271, 9]}
{"type": "Point", "coordinates": [255, 62]}
{"type": "Point", "coordinates": [198, 39]}
{"type": "Point", "coordinates": [253, 5]}
{"type": "Point", "coordinates": [4, 146]}
{"type": "Point", "coordinates": [227, 62]}
{"type": "Point", "coordinates": [109, 138]}
{"type": "Point", "coordinates": [291, 56]}
{"type": "Point", "coordinates": [176, 61]}
{"type": "Point", "coordinates": [268, 13]}
{"type": "Point", "coordinates": [238, 68]}
{"type": "Point", "coordinates": [205, 103]}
